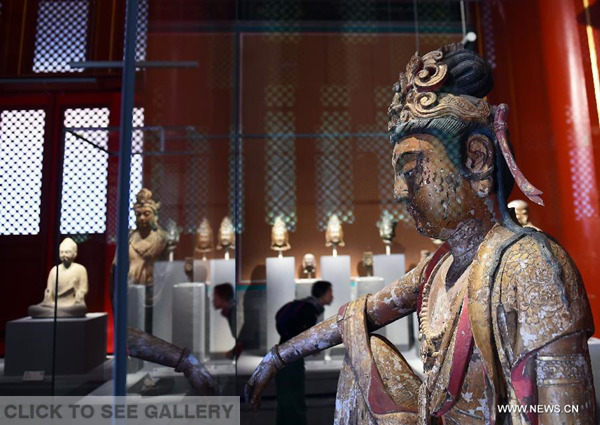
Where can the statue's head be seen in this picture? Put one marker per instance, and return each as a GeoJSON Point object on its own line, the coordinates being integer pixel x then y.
{"type": "Point", "coordinates": [387, 228]}
{"type": "Point", "coordinates": [452, 158]}
{"type": "Point", "coordinates": [521, 211]}
{"type": "Point", "coordinates": [334, 235]}
{"type": "Point", "coordinates": [146, 210]}
{"type": "Point", "coordinates": [368, 259]}
{"type": "Point", "coordinates": [279, 235]}
{"type": "Point", "coordinates": [226, 235]}
{"type": "Point", "coordinates": [309, 263]}
{"type": "Point", "coordinates": [204, 236]}
{"type": "Point", "coordinates": [67, 251]}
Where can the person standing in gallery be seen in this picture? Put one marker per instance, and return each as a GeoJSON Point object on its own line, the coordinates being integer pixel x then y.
{"type": "Point", "coordinates": [292, 319]}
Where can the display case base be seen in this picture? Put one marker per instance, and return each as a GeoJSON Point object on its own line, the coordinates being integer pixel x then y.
{"type": "Point", "coordinates": [79, 347]}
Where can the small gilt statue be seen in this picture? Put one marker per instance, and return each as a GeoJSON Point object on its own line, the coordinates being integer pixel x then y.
{"type": "Point", "coordinates": [148, 242]}
{"type": "Point", "coordinates": [504, 316]}
{"type": "Point", "coordinates": [172, 233]}
{"type": "Point", "coordinates": [204, 240]}
{"type": "Point", "coordinates": [521, 209]}
{"type": "Point", "coordinates": [279, 236]}
{"type": "Point", "coordinates": [387, 230]}
{"type": "Point", "coordinates": [72, 287]}
{"type": "Point", "coordinates": [368, 262]}
{"type": "Point", "coordinates": [334, 234]}
{"type": "Point", "coordinates": [309, 265]}
{"type": "Point", "coordinates": [226, 236]}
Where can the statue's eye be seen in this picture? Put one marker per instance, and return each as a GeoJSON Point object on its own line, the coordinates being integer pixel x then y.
{"type": "Point", "coordinates": [409, 168]}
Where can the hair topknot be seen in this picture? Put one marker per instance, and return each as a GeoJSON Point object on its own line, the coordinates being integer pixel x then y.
{"type": "Point", "coordinates": [468, 73]}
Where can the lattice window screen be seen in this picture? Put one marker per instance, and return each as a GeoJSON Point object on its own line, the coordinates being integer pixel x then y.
{"type": "Point", "coordinates": [141, 42]}
{"type": "Point", "coordinates": [137, 161]}
{"type": "Point", "coordinates": [236, 165]}
{"type": "Point", "coordinates": [21, 156]}
{"type": "Point", "coordinates": [85, 172]}
{"type": "Point", "coordinates": [334, 153]}
{"type": "Point", "coordinates": [61, 35]}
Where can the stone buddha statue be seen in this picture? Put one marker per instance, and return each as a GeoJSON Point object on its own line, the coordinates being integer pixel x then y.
{"type": "Point", "coordinates": [204, 240]}
{"type": "Point", "coordinates": [148, 242]}
{"type": "Point", "coordinates": [226, 236]}
{"type": "Point", "coordinates": [67, 286]}
{"type": "Point", "coordinates": [309, 265]}
{"type": "Point", "coordinates": [387, 230]}
{"type": "Point", "coordinates": [279, 236]}
{"type": "Point", "coordinates": [334, 234]}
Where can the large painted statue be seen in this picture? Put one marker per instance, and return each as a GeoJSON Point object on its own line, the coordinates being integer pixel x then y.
{"type": "Point", "coordinates": [148, 242]}
{"type": "Point", "coordinates": [504, 317]}
{"type": "Point", "coordinates": [68, 293]}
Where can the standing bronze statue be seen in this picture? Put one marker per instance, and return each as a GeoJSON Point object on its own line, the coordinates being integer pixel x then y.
{"type": "Point", "coordinates": [504, 317]}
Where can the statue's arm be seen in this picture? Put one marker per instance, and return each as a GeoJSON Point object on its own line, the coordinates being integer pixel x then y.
{"type": "Point", "coordinates": [564, 380]}
{"type": "Point", "coordinates": [144, 346]}
{"type": "Point", "coordinates": [82, 288]}
{"type": "Point", "coordinates": [392, 302]}
{"type": "Point", "coordinates": [396, 300]}
{"type": "Point", "coordinates": [544, 321]}
{"type": "Point", "coordinates": [50, 285]}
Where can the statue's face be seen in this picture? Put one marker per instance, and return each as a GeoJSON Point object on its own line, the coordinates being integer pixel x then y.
{"type": "Point", "coordinates": [278, 236]}
{"type": "Point", "coordinates": [386, 230]}
{"type": "Point", "coordinates": [67, 254]}
{"type": "Point", "coordinates": [437, 196]}
{"type": "Point", "coordinates": [335, 234]}
{"type": "Point", "coordinates": [144, 217]}
{"type": "Point", "coordinates": [226, 236]}
{"type": "Point", "coordinates": [522, 214]}
{"type": "Point", "coordinates": [204, 240]}
{"type": "Point", "coordinates": [309, 262]}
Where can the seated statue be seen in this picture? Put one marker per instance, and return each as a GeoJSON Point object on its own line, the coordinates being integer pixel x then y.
{"type": "Point", "coordinates": [69, 293]}
{"type": "Point", "coordinates": [504, 317]}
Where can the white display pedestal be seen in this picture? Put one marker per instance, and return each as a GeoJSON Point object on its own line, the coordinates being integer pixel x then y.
{"type": "Point", "coordinates": [221, 271]}
{"type": "Point", "coordinates": [337, 271]}
{"type": "Point", "coordinates": [280, 291]}
{"type": "Point", "coordinates": [166, 275]}
{"type": "Point", "coordinates": [390, 268]}
{"type": "Point", "coordinates": [189, 317]}
{"type": "Point", "coordinates": [136, 301]}
{"type": "Point", "coordinates": [201, 271]}
{"type": "Point", "coordinates": [304, 287]}
{"type": "Point", "coordinates": [368, 285]}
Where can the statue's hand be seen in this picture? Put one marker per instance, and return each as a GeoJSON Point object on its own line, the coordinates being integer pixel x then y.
{"type": "Point", "coordinates": [198, 376]}
{"type": "Point", "coordinates": [261, 377]}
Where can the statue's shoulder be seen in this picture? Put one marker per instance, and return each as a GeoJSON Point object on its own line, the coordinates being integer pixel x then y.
{"type": "Point", "coordinates": [78, 267]}
{"type": "Point", "coordinates": [538, 281]}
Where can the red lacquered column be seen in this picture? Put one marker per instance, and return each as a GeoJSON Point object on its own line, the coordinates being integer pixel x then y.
{"type": "Point", "coordinates": [563, 74]}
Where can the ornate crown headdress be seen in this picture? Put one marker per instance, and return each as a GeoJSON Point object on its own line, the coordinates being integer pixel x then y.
{"type": "Point", "coordinates": [144, 199]}
{"type": "Point", "coordinates": [451, 82]}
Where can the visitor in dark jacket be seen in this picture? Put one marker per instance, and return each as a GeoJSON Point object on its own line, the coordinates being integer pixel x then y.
{"type": "Point", "coordinates": [292, 319]}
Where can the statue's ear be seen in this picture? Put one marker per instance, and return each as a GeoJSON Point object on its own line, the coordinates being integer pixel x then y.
{"type": "Point", "coordinates": [480, 163]}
